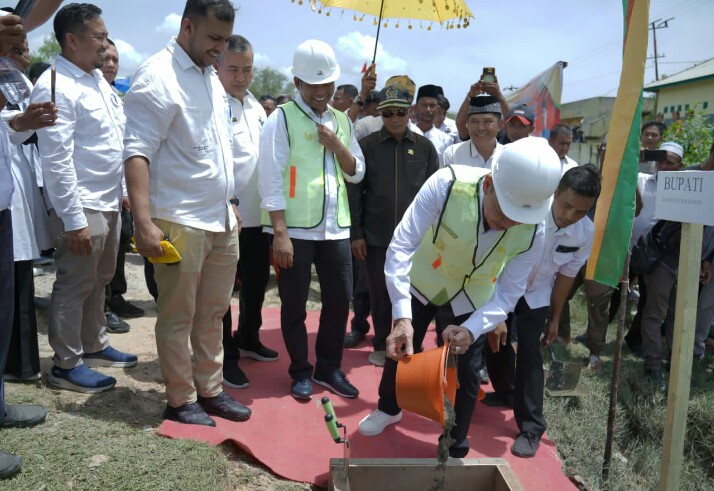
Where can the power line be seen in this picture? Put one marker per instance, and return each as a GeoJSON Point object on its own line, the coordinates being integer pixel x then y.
{"type": "Point", "coordinates": [654, 25]}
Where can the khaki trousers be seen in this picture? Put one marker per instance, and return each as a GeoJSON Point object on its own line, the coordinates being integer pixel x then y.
{"type": "Point", "coordinates": [193, 297]}
{"type": "Point", "coordinates": [77, 322]}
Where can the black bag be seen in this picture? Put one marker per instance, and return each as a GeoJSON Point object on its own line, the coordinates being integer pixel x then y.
{"type": "Point", "coordinates": [648, 251]}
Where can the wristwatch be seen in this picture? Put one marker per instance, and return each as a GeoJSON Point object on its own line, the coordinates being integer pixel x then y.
{"type": "Point", "coordinates": [234, 201]}
{"type": "Point", "coordinates": [358, 101]}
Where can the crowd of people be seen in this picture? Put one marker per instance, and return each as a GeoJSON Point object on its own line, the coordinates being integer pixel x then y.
{"type": "Point", "coordinates": [407, 214]}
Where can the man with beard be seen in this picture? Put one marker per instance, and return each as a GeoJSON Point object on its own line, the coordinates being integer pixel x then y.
{"type": "Point", "coordinates": [179, 172]}
{"type": "Point", "coordinates": [82, 169]}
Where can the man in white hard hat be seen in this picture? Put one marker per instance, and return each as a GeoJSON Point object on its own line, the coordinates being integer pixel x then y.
{"type": "Point", "coordinates": [307, 153]}
{"type": "Point", "coordinates": [475, 258]}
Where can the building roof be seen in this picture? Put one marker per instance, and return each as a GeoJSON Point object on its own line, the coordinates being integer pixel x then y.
{"type": "Point", "coordinates": [702, 71]}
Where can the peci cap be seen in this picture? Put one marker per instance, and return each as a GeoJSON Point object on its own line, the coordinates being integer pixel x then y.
{"type": "Point", "coordinates": [484, 104]}
{"type": "Point", "coordinates": [429, 91]}
{"type": "Point", "coordinates": [393, 96]}
{"type": "Point", "coordinates": [523, 113]}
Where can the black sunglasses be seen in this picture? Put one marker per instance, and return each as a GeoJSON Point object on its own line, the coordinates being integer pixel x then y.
{"type": "Point", "coordinates": [388, 113]}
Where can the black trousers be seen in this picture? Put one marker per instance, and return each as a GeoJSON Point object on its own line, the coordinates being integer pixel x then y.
{"type": "Point", "coordinates": [254, 273]}
{"type": "Point", "coordinates": [149, 278]}
{"type": "Point", "coordinates": [527, 382]}
{"type": "Point", "coordinates": [23, 359]}
{"type": "Point", "coordinates": [468, 373]}
{"type": "Point", "coordinates": [361, 303]}
{"type": "Point", "coordinates": [379, 297]}
{"type": "Point", "coordinates": [7, 296]}
{"type": "Point", "coordinates": [333, 263]}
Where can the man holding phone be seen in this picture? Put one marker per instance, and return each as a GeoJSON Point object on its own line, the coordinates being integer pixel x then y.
{"type": "Point", "coordinates": [487, 84]}
{"type": "Point", "coordinates": [11, 29]}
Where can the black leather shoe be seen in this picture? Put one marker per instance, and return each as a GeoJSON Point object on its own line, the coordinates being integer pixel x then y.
{"type": "Point", "coordinates": [526, 445]}
{"type": "Point", "coordinates": [190, 414]}
{"type": "Point", "coordinates": [225, 406]}
{"type": "Point", "coordinates": [337, 383]}
{"type": "Point", "coordinates": [353, 338]}
{"type": "Point", "coordinates": [114, 324]}
{"type": "Point", "coordinates": [23, 415]}
{"type": "Point", "coordinates": [121, 307]}
{"type": "Point", "coordinates": [301, 389]}
{"type": "Point", "coordinates": [9, 464]}
{"type": "Point", "coordinates": [496, 399]}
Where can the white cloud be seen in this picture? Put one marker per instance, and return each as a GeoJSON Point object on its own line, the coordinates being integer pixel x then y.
{"type": "Point", "coordinates": [358, 48]}
{"type": "Point", "coordinates": [129, 57]}
{"type": "Point", "coordinates": [259, 59]}
{"type": "Point", "coordinates": [171, 24]}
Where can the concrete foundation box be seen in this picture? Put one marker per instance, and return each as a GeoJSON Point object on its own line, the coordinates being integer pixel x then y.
{"type": "Point", "coordinates": [423, 475]}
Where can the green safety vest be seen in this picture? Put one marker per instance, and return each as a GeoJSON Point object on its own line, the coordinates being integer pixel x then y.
{"type": "Point", "coordinates": [445, 261]}
{"type": "Point", "coordinates": [304, 176]}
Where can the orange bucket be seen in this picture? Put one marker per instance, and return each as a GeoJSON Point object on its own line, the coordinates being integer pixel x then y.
{"type": "Point", "coordinates": [424, 380]}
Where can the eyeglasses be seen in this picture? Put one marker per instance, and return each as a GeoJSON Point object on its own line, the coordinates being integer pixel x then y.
{"type": "Point", "coordinates": [388, 113]}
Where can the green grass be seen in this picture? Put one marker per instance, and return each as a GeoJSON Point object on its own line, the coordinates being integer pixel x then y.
{"type": "Point", "coordinates": [578, 426]}
{"type": "Point", "coordinates": [107, 441]}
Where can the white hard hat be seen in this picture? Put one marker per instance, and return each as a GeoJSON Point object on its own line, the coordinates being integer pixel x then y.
{"type": "Point", "coordinates": [525, 175]}
{"type": "Point", "coordinates": [314, 63]}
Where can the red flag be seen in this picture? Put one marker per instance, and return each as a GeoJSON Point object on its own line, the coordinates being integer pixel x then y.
{"type": "Point", "coordinates": [364, 67]}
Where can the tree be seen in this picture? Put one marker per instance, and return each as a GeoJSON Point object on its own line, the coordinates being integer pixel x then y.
{"type": "Point", "coordinates": [694, 133]}
{"type": "Point", "coordinates": [47, 50]}
{"type": "Point", "coordinates": [269, 81]}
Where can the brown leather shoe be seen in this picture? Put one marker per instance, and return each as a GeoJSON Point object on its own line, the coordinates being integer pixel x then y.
{"type": "Point", "coordinates": [225, 406]}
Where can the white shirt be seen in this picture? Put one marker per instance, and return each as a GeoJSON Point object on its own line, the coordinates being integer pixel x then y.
{"type": "Point", "coordinates": [465, 153]}
{"type": "Point", "coordinates": [440, 140]}
{"type": "Point", "coordinates": [274, 154]}
{"type": "Point", "coordinates": [29, 214]}
{"type": "Point", "coordinates": [82, 153]}
{"type": "Point", "coordinates": [424, 212]}
{"type": "Point", "coordinates": [247, 122]}
{"type": "Point", "coordinates": [566, 250]}
{"type": "Point", "coordinates": [178, 118]}
{"type": "Point", "coordinates": [369, 124]}
{"type": "Point", "coordinates": [647, 186]}
{"type": "Point", "coordinates": [449, 127]}
{"type": "Point", "coordinates": [6, 186]}
{"type": "Point", "coordinates": [567, 163]}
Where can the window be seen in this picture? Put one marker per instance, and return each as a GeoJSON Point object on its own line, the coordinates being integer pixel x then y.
{"type": "Point", "coordinates": [686, 107]}
{"type": "Point", "coordinates": [705, 105]}
{"type": "Point", "coordinates": [679, 107]}
{"type": "Point", "coordinates": [665, 109]}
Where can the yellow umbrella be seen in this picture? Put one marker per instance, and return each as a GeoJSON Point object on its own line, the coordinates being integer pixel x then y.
{"type": "Point", "coordinates": [449, 13]}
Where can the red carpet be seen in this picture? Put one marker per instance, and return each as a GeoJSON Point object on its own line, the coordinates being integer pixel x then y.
{"type": "Point", "coordinates": [291, 438]}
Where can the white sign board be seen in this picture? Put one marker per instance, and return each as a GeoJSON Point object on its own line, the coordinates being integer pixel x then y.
{"type": "Point", "coordinates": [685, 196]}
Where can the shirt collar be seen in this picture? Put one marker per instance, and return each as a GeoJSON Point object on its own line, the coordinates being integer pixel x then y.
{"type": "Point", "coordinates": [184, 61]}
{"type": "Point", "coordinates": [384, 135]}
{"type": "Point", "coordinates": [74, 69]}
{"type": "Point", "coordinates": [551, 226]}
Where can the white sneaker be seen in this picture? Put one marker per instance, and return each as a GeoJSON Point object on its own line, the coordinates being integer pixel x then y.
{"type": "Point", "coordinates": [377, 421]}
{"type": "Point", "coordinates": [377, 358]}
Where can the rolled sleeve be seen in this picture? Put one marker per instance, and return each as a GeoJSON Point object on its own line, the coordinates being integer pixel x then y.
{"type": "Point", "coordinates": [147, 117]}
{"type": "Point", "coordinates": [510, 287]}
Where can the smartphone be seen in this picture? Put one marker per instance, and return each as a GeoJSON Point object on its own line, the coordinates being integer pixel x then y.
{"type": "Point", "coordinates": [489, 75]}
{"type": "Point", "coordinates": [653, 155]}
{"type": "Point", "coordinates": [23, 8]}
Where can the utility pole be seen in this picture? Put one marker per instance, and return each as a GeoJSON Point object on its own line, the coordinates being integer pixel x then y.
{"type": "Point", "coordinates": [657, 24]}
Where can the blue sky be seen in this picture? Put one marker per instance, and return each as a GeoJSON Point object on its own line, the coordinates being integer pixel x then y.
{"type": "Point", "coordinates": [519, 37]}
